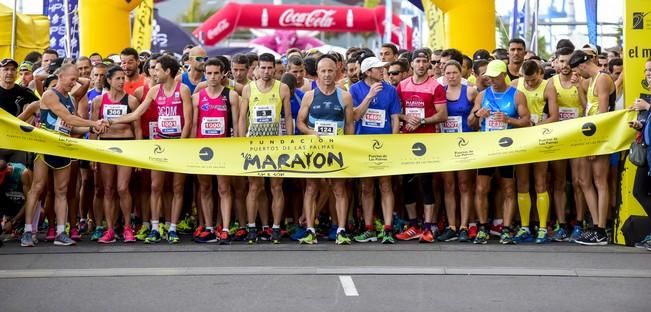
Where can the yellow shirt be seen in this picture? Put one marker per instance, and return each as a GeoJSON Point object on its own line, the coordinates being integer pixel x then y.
{"type": "Point", "coordinates": [264, 110]}
{"type": "Point", "coordinates": [569, 103]}
{"type": "Point", "coordinates": [535, 100]}
{"type": "Point", "coordinates": [592, 107]}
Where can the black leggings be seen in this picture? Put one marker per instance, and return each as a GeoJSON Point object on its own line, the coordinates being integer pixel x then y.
{"type": "Point", "coordinates": [410, 187]}
{"type": "Point", "coordinates": [642, 188]}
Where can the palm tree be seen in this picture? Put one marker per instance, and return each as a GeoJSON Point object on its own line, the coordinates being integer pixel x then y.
{"type": "Point", "coordinates": [195, 14]}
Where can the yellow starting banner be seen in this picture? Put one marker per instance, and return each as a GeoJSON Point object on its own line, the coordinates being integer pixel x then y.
{"type": "Point", "coordinates": [337, 157]}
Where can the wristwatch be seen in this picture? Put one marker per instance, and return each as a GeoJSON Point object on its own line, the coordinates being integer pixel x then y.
{"type": "Point", "coordinates": [422, 121]}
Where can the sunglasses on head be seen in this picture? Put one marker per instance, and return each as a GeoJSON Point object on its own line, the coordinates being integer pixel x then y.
{"type": "Point", "coordinates": [394, 73]}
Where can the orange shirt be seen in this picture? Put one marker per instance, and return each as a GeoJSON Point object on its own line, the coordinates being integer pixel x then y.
{"type": "Point", "coordinates": [131, 86]}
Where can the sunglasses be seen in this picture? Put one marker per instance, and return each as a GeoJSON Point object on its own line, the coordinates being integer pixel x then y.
{"type": "Point", "coordinates": [200, 58]}
{"type": "Point", "coordinates": [393, 73]}
{"type": "Point", "coordinates": [436, 62]}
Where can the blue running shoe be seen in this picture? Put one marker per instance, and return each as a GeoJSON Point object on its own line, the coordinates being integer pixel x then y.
{"type": "Point", "coordinates": [154, 237]}
{"type": "Point", "coordinates": [576, 233]}
{"type": "Point", "coordinates": [299, 233]}
{"type": "Point", "coordinates": [332, 233]}
{"type": "Point", "coordinates": [523, 236]}
{"type": "Point", "coordinates": [560, 235]}
{"type": "Point", "coordinates": [542, 236]}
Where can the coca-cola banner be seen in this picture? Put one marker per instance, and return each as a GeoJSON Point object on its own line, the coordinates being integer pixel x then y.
{"type": "Point", "coordinates": [298, 17]}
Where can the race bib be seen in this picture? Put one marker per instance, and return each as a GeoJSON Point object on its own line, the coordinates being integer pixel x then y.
{"type": "Point", "coordinates": [169, 124]}
{"type": "Point", "coordinates": [494, 125]}
{"type": "Point", "coordinates": [152, 129]}
{"type": "Point", "coordinates": [567, 113]}
{"type": "Point", "coordinates": [15, 197]}
{"type": "Point", "coordinates": [452, 125]}
{"type": "Point", "coordinates": [62, 127]}
{"type": "Point", "coordinates": [113, 111]}
{"type": "Point", "coordinates": [264, 114]}
{"type": "Point", "coordinates": [213, 126]}
{"type": "Point", "coordinates": [325, 127]}
{"type": "Point", "coordinates": [283, 126]}
{"type": "Point", "coordinates": [374, 118]}
{"type": "Point", "coordinates": [415, 111]}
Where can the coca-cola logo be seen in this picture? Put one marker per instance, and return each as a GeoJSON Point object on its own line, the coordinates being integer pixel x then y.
{"type": "Point", "coordinates": [319, 18]}
{"type": "Point", "coordinates": [221, 26]}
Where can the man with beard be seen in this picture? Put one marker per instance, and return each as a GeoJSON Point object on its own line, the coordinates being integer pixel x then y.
{"type": "Point", "coordinates": [130, 63]}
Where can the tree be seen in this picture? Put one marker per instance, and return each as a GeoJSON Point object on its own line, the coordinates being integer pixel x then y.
{"type": "Point", "coordinates": [195, 14]}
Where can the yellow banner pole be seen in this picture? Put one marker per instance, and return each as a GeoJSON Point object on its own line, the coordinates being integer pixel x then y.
{"type": "Point", "coordinates": [637, 49]}
{"type": "Point", "coordinates": [142, 26]}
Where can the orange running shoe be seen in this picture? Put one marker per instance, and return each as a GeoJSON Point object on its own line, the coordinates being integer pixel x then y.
{"type": "Point", "coordinates": [427, 237]}
{"type": "Point", "coordinates": [409, 234]}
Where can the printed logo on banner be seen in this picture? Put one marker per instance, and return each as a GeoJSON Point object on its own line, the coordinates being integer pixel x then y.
{"type": "Point", "coordinates": [505, 142]}
{"type": "Point", "coordinates": [315, 19]}
{"type": "Point", "coordinates": [56, 12]}
{"type": "Point", "coordinates": [115, 150]}
{"type": "Point", "coordinates": [589, 129]}
{"type": "Point", "coordinates": [377, 145]}
{"type": "Point", "coordinates": [275, 157]}
{"type": "Point", "coordinates": [639, 19]}
{"type": "Point", "coordinates": [547, 131]}
{"type": "Point", "coordinates": [419, 149]}
{"type": "Point", "coordinates": [206, 154]}
{"type": "Point", "coordinates": [461, 142]}
{"type": "Point", "coordinates": [158, 149]}
{"type": "Point", "coordinates": [26, 128]}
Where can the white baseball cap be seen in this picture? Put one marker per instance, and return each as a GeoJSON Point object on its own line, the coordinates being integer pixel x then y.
{"type": "Point", "coordinates": [372, 62]}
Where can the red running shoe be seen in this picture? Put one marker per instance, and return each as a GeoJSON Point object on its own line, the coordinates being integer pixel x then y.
{"type": "Point", "coordinates": [74, 233]}
{"type": "Point", "coordinates": [128, 234]}
{"type": "Point", "coordinates": [51, 234]}
{"type": "Point", "coordinates": [198, 231]}
{"type": "Point", "coordinates": [496, 229]}
{"type": "Point", "coordinates": [472, 231]}
{"type": "Point", "coordinates": [426, 237]}
{"type": "Point", "coordinates": [409, 234]}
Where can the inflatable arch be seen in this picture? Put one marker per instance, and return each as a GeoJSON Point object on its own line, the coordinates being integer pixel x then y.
{"type": "Point", "coordinates": [300, 17]}
{"type": "Point", "coordinates": [94, 19]}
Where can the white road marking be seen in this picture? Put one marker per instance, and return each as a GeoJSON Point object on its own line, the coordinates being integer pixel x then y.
{"type": "Point", "coordinates": [348, 285]}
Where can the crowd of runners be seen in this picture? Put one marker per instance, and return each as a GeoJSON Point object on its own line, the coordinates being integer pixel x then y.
{"type": "Point", "coordinates": [137, 95]}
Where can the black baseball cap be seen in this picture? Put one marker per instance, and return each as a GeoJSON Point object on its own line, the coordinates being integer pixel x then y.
{"type": "Point", "coordinates": [421, 53]}
{"type": "Point", "coordinates": [579, 57]}
{"type": "Point", "coordinates": [482, 54]}
{"type": "Point", "coordinates": [8, 61]}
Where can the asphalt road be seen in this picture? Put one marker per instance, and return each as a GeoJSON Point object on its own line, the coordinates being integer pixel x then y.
{"type": "Point", "coordinates": [325, 277]}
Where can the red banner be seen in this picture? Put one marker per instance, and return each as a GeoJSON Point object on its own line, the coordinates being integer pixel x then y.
{"type": "Point", "coordinates": [299, 17]}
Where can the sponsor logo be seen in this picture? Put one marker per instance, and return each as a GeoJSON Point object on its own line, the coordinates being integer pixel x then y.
{"type": "Point", "coordinates": [221, 27]}
{"type": "Point", "coordinates": [638, 19]}
{"type": "Point", "coordinates": [206, 154]}
{"type": "Point", "coordinates": [309, 163]}
{"type": "Point", "coordinates": [377, 145]}
{"type": "Point", "coordinates": [461, 142]}
{"type": "Point", "coordinates": [115, 150]}
{"type": "Point", "coordinates": [547, 131]}
{"type": "Point", "coordinates": [158, 149]}
{"type": "Point", "coordinates": [418, 149]}
{"type": "Point", "coordinates": [26, 128]}
{"type": "Point", "coordinates": [505, 142]}
{"type": "Point", "coordinates": [589, 129]}
{"type": "Point", "coordinates": [318, 18]}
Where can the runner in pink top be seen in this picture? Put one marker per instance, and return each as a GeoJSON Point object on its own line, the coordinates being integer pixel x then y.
{"type": "Point", "coordinates": [215, 112]}
{"type": "Point", "coordinates": [423, 99]}
{"type": "Point", "coordinates": [170, 114]}
{"type": "Point", "coordinates": [214, 119]}
{"type": "Point", "coordinates": [425, 107]}
{"type": "Point", "coordinates": [174, 122]}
